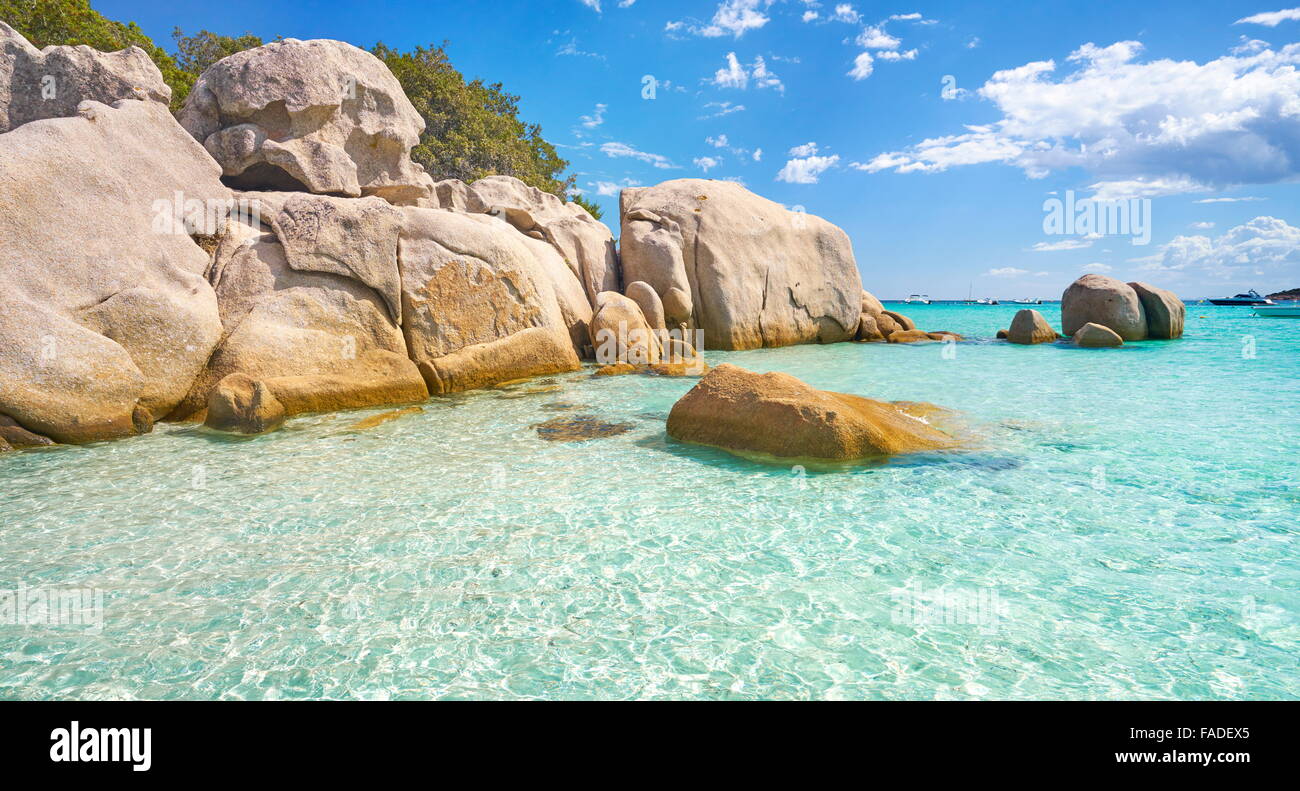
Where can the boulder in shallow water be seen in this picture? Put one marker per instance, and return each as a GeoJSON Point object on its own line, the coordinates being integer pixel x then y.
{"type": "Point", "coordinates": [1164, 310]}
{"type": "Point", "coordinates": [868, 329]}
{"type": "Point", "coordinates": [1106, 301]}
{"type": "Point", "coordinates": [1029, 327]}
{"type": "Point", "coordinates": [910, 336]}
{"type": "Point", "coordinates": [531, 352]}
{"type": "Point", "coordinates": [903, 321]}
{"type": "Point", "coordinates": [1093, 335]}
{"type": "Point", "coordinates": [241, 405]}
{"type": "Point", "coordinates": [19, 437]}
{"type": "Point", "coordinates": [620, 332]}
{"type": "Point", "coordinates": [777, 415]}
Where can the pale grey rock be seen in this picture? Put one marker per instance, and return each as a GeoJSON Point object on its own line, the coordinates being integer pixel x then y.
{"type": "Point", "coordinates": [1106, 301]}
{"type": "Point", "coordinates": [51, 82]}
{"type": "Point", "coordinates": [105, 316]}
{"type": "Point", "coordinates": [757, 274]}
{"type": "Point", "coordinates": [319, 116]}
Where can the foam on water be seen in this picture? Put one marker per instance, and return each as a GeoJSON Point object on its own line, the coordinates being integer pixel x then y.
{"type": "Point", "coordinates": [1126, 528]}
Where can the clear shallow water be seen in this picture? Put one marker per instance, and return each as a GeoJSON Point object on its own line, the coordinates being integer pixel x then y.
{"type": "Point", "coordinates": [1127, 528]}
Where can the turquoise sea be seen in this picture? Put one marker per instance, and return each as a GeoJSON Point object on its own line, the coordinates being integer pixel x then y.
{"type": "Point", "coordinates": [1127, 526]}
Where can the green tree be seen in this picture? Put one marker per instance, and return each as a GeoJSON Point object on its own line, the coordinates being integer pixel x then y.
{"type": "Point", "coordinates": [199, 51]}
{"type": "Point", "coordinates": [46, 22]}
{"type": "Point", "coordinates": [472, 129]}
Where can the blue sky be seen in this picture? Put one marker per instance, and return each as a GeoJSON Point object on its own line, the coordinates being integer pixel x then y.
{"type": "Point", "coordinates": [931, 132]}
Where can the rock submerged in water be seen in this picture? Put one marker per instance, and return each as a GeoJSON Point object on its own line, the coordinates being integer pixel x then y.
{"type": "Point", "coordinates": [579, 427]}
{"type": "Point", "coordinates": [1029, 327]}
{"type": "Point", "coordinates": [777, 415]}
{"type": "Point", "coordinates": [1093, 335]}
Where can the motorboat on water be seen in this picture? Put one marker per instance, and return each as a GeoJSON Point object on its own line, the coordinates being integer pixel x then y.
{"type": "Point", "coordinates": [1251, 297]}
{"type": "Point", "coordinates": [986, 301]}
{"type": "Point", "coordinates": [924, 299]}
{"type": "Point", "coordinates": [1290, 310]}
{"type": "Point", "coordinates": [1026, 301]}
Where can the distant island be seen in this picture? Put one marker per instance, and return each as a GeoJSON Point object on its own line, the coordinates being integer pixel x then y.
{"type": "Point", "coordinates": [1293, 293]}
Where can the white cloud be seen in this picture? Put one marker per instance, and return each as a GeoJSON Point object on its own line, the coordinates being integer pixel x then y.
{"type": "Point", "coordinates": [861, 67]}
{"type": "Point", "coordinates": [806, 170]}
{"type": "Point", "coordinates": [805, 150]}
{"type": "Point", "coordinates": [875, 37]}
{"type": "Point", "coordinates": [1228, 200]}
{"type": "Point", "coordinates": [592, 4]}
{"type": "Point", "coordinates": [1158, 126]}
{"type": "Point", "coordinates": [1098, 267]}
{"type": "Point", "coordinates": [736, 75]}
{"type": "Point", "coordinates": [1203, 226]}
{"type": "Point", "coordinates": [973, 43]}
{"type": "Point", "coordinates": [905, 17]}
{"type": "Point", "coordinates": [1007, 271]}
{"type": "Point", "coordinates": [809, 16]}
{"type": "Point", "coordinates": [611, 189]}
{"type": "Point", "coordinates": [596, 118]}
{"type": "Point", "coordinates": [1265, 245]}
{"type": "Point", "coordinates": [845, 12]}
{"type": "Point", "coordinates": [1143, 188]}
{"type": "Point", "coordinates": [896, 55]}
{"type": "Point", "coordinates": [1064, 244]}
{"type": "Point", "coordinates": [571, 48]}
{"type": "Point", "coordinates": [717, 142]}
{"type": "Point", "coordinates": [758, 154]}
{"type": "Point", "coordinates": [723, 108]}
{"type": "Point", "coordinates": [1270, 18]}
{"type": "Point", "coordinates": [617, 150]}
{"type": "Point", "coordinates": [733, 18]}
{"type": "Point", "coordinates": [705, 163]}
{"type": "Point", "coordinates": [625, 3]}
{"type": "Point", "coordinates": [733, 75]}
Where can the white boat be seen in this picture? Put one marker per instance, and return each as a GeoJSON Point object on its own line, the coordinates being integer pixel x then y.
{"type": "Point", "coordinates": [924, 299]}
{"type": "Point", "coordinates": [1290, 311]}
{"type": "Point", "coordinates": [1251, 297]}
{"type": "Point", "coordinates": [986, 301]}
{"type": "Point", "coordinates": [1026, 302]}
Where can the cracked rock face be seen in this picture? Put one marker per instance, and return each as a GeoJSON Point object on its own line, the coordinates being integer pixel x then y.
{"type": "Point", "coordinates": [51, 82]}
{"type": "Point", "coordinates": [314, 116]}
{"type": "Point", "coordinates": [747, 271]}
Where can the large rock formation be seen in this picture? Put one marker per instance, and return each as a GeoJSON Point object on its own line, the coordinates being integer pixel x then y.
{"type": "Point", "coordinates": [318, 116]}
{"type": "Point", "coordinates": [469, 279]}
{"type": "Point", "coordinates": [105, 316]}
{"type": "Point", "coordinates": [755, 274]}
{"type": "Point", "coordinates": [1165, 312]}
{"type": "Point", "coordinates": [1029, 327]}
{"type": "Point", "coordinates": [310, 288]}
{"type": "Point", "coordinates": [585, 243]}
{"type": "Point", "coordinates": [777, 415]}
{"type": "Point", "coordinates": [1106, 301]}
{"type": "Point", "coordinates": [51, 82]}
